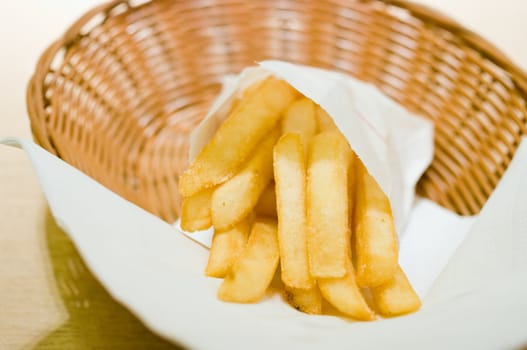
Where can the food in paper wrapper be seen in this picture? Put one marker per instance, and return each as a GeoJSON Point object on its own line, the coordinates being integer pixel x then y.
{"type": "Point", "coordinates": [286, 193]}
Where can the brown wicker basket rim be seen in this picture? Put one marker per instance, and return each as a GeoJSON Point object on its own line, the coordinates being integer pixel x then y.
{"type": "Point", "coordinates": [474, 40]}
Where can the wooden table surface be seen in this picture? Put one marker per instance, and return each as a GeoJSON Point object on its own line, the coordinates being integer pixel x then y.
{"type": "Point", "coordinates": [39, 306]}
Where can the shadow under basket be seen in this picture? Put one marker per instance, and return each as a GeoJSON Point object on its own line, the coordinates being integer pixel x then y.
{"type": "Point", "coordinates": [119, 93]}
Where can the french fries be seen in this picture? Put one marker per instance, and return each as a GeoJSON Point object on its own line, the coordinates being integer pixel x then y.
{"type": "Point", "coordinates": [266, 205]}
{"type": "Point", "coordinates": [376, 250]}
{"type": "Point", "coordinates": [235, 199]}
{"type": "Point", "coordinates": [290, 179]}
{"type": "Point", "coordinates": [226, 247]}
{"type": "Point", "coordinates": [328, 226]}
{"type": "Point", "coordinates": [344, 294]}
{"type": "Point", "coordinates": [300, 118]}
{"type": "Point", "coordinates": [324, 121]}
{"type": "Point", "coordinates": [195, 211]}
{"type": "Point", "coordinates": [237, 137]}
{"type": "Point", "coordinates": [305, 300]}
{"type": "Point", "coordinates": [281, 185]}
{"type": "Point", "coordinates": [396, 297]}
{"type": "Point", "coordinates": [253, 271]}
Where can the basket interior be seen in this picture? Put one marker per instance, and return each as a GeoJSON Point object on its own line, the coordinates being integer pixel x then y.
{"type": "Point", "coordinates": [118, 95]}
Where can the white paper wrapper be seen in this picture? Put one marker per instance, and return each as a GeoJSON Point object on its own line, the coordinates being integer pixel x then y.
{"type": "Point", "coordinates": [395, 146]}
{"type": "Point", "coordinates": [477, 303]}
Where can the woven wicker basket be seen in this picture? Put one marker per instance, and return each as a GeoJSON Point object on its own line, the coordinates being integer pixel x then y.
{"type": "Point", "coordinates": [119, 93]}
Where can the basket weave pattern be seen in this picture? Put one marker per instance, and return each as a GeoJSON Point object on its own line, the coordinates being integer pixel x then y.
{"type": "Point", "coordinates": [119, 93]}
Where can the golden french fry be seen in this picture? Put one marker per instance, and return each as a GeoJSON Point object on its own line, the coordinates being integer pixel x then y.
{"type": "Point", "coordinates": [352, 178]}
{"type": "Point", "coordinates": [344, 294]}
{"type": "Point", "coordinates": [290, 180]}
{"type": "Point", "coordinates": [396, 297]}
{"type": "Point", "coordinates": [251, 90]}
{"type": "Point", "coordinates": [324, 121]}
{"type": "Point", "coordinates": [226, 247]}
{"type": "Point", "coordinates": [300, 118]}
{"type": "Point", "coordinates": [305, 300]}
{"type": "Point", "coordinates": [195, 211]}
{"type": "Point", "coordinates": [236, 138]}
{"type": "Point", "coordinates": [266, 205]}
{"type": "Point", "coordinates": [235, 199]}
{"type": "Point", "coordinates": [376, 251]}
{"type": "Point", "coordinates": [253, 271]}
{"type": "Point", "coordinates": [328, 229]}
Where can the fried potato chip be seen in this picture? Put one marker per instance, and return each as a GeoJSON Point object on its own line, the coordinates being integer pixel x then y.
{"type": "Point", "coordinates": [290, 180]}
{"type": "Point", "coordinates": [226, 247]}
{"type": "Point", "coordinates": [195, 211]}
{"type": "Point", "coordinates": [324, 121]}
{"type": "Point", "coordinates": [376, 251]}
{"type": "Point", "coordinates": [235, 199]}
{"type": "Point", "coordinates": [255, 116]}
{"type": "Point", "coordinates": [328, 223]}
{"type": "Point", "coordinates": [300, 118]}
{"type": "Point", "coordinates": [253, 271]}
{"type": "Point", "coordinates": [396, 297]}
{"type": "Point", "coordinates": [344, 294]}
{"type": "Point", "coordinates": [266, 205]}
{"type": "Point", "coordinates": [305, 300]}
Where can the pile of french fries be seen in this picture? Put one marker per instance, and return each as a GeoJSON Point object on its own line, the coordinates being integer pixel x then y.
{"type": "Point", "coordinates": [282, 187]}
